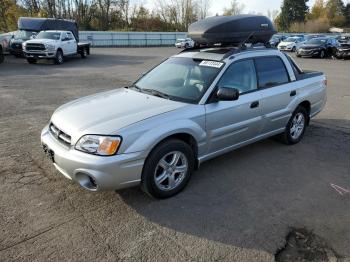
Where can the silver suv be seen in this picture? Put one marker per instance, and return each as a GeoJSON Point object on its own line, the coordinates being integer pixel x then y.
{"type": "Point", "coordinates": [196, 105]}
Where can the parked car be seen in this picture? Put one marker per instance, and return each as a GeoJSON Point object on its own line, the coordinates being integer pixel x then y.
{"type": "Point", "coordinates": [194, 106]}
{"type": "Point", "coordinates": [318, 47]}
{"type": "Point", "coordinates": [344, 38]}
{"type": "Point", "coordinates": [290, 44]}
{"type": "Point", "coordinates": [29, 27]}
{"type": "Point", "coordinates": [184, 43]}
{"type": "Point", "coordinates": [18, 39]}
{"type": "Point", "coordinates": [343, 50]}
{"type": "Point", "coordinates": [2, 56]}
{"type": "Point", "coordinates": [276, 39]}
{"type": "Point", "coordinates": [55, 45]}
{"type": "Point", "coordinates": [5, 41]}
{"type": "Point", "coordinates": [312, 36]}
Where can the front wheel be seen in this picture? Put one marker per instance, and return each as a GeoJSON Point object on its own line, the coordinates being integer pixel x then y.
{"type": "Point", "coordinates": [2, 57]}
{"type": "Point", "coordinates": [59, 57]}
{"type": "Point", "coordinates": [294, 49]}
{"type": "Point", "coordinates": [168, 169]}
{"type": "Point", "coordinates": [322, 54]}
{"type": "Point", "coordinates": [31, 60]}
{"type": "Point", "coordinates": [296, 126]}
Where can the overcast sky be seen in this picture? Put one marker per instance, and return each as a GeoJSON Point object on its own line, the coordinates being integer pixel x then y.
{"type": "Point", "coordinates": [257, 6]}
{"type": "Point", "coordinates": [250, 6]}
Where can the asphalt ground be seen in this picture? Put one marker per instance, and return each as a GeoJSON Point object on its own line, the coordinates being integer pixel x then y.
{"type": "Point", "coordinates": [238, 207]}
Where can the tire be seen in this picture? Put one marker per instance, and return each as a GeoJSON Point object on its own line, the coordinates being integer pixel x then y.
{"type": "Point", "coordinates": [298, 55]}
{"type": "Point", "coordinates": [159, 176]}
{"type": "Point", "coordinates": [59, 57]}
{"type": "Point", "coordinates": [293, 134]}
{"type": "Point", "coordinates": [294, 49]}
{"type": "Point", "coordinates": [83, 53]}
{"type": "Point", "coordinates": [187, 46]}
{"type": "Point", "coordinates": [31, 60]}
{"type": "Point", "coordinates": [2, 57]}
{"type": "Point", "coordinates": [322, 54]}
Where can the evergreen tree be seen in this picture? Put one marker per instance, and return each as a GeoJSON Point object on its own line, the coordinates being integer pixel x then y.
{"type": "Point", "coordinates": [292, 11]}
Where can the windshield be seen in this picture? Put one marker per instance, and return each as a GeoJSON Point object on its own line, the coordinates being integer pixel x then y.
{"type": "Point", "coordinates": [180, 40]}
{"type": "Point", "coordinates": [49, 35]}
{"type": "Point", "coordinates": [182, 79]}
{"type": "Point", "coordinates": [316, 41]}
{"type": "Point", "coordinates": [25, 35]}
{"type": "Point", "coordinates": [291, 39]}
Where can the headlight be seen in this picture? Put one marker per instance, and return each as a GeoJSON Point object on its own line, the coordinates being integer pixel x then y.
{"type": "Point", "coordinates": [49, 47]}
{"type": "Point", "coordinates": [99, 145]}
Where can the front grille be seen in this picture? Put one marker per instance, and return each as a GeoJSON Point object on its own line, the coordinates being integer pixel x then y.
{"type": "Point", "coordinates": [60, 135]}
{"type": "Point", "coordinates": [16, 46]}
{"type": "Point", "coordinates": [306, 52]}
{"type": "Point", "coordinates": [35, 47]}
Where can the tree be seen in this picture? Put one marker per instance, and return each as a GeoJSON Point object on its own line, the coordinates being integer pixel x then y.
{"type": "Point", "coordinates": [347, 15]}
{"type": "Point", "coordinates": [235, 8]}
{"type": "Point", "coordinates": [203, 6]}
{"type": "Point", "coordinates": [335, 12]}
{"type": "Point", "coordinates": [319, 10]}
{"type": "Point", "coordinates": [292, 11]}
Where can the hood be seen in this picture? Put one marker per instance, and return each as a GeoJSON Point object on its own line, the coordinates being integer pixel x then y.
{"type": "Point", "coordinates": [107, 112]}
{"type": "Point", "coordinates": [310, 46]}
{"type": "Point", "coordinates": [41, 41]}
{"type": "Point", "coordinates": [286, 43]}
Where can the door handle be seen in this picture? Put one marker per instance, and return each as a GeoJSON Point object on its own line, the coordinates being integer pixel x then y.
{"type": "Point", "coordinates": [293, 93]}
{"type": "Point", "coordinates": [254, 104]}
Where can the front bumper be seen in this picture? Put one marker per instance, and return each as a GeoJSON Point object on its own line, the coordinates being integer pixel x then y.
{"type": "Point", "coordinates": [94, 172]}
{"type": "Point", "coordinates": [343, 54]}
{"type": "Point", "coordinates": [39, 54]}
{"type": "Point", "coordinates": [308, 53]}
{"type": "Point", "coordinates": [285, 48]}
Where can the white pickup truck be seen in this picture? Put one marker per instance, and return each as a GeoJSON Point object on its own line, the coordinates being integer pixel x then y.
{"type": "Point", "coordinates": [54, 45]}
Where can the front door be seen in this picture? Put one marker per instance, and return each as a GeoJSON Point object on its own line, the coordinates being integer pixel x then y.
{"type": "Point", "coordinates": [230, 123]}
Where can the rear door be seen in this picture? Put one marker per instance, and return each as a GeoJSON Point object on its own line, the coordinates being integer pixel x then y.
{"type": "Point", "coordinates": [277, 92]}
{"type": "Point", "coordinates": [230, 123]}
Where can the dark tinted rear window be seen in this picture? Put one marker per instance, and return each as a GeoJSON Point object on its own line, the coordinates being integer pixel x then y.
{"type": "Point", "coordinates": [271, 72]}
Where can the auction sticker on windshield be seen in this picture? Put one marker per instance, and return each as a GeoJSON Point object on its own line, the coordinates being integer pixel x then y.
{"type": "Point", "coordinates": [211, 64]}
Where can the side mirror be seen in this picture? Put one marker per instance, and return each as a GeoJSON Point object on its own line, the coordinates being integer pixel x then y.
{"type": "Point", "coordinates": [227, 94]}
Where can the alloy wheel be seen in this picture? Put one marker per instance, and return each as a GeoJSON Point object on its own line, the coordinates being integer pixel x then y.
{"type": "Point", "coordinates": [171, 170]}
{"type": "Point", "coordinates": [298, 125]}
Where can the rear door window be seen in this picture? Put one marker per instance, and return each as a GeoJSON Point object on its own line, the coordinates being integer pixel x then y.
{"type": "Point", "coordinates": [240, 75]}
{"type": "Point", "coordinates": [271, 72]}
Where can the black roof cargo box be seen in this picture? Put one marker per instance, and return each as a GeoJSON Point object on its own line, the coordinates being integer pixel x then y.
{"type": "Point", "coordinates": [232, 30]}
{"type": "Point", "coordinates": [41, 24]}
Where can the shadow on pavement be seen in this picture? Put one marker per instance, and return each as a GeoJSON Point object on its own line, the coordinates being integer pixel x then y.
{"type": "Point", "coordinates": [252, 196]}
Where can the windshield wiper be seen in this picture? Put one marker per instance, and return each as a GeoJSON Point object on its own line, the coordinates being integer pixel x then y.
{"type": "Point", "coordinates": [136, 87]}
{"type": "Point", "coordinates": [156, 93]}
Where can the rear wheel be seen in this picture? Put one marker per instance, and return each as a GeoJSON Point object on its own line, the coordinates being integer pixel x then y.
{"type": "Point", "coordinates": [168, 169]}
{"type": "Point", "coordinates": [296, 126]}
{"type": "Point", "coordinates": [59, 57]}
{"type": "Point", "coordinates": [31, 60]}
{"type": "Point", "coordinates": [83, 53]}
{"type": "Point", "coordinates": [294, 49]}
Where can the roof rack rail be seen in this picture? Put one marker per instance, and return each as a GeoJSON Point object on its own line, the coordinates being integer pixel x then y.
{"type": "Point", "coordinates": [233, 48]}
